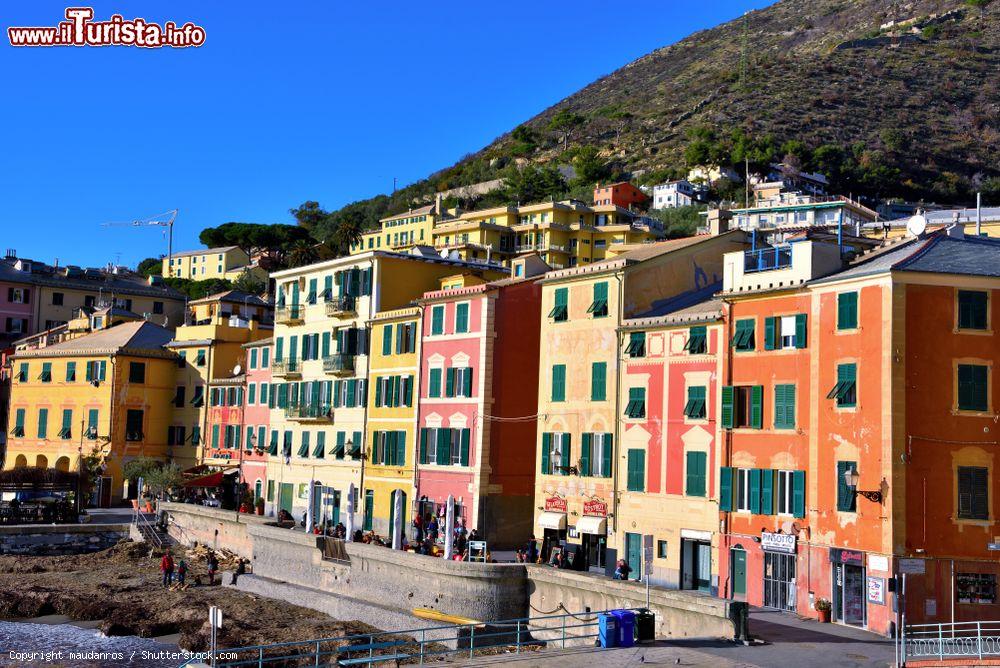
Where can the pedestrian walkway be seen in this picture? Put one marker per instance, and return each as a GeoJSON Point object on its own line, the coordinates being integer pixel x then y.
{"type": "Point", "coordinates": [656, 654]}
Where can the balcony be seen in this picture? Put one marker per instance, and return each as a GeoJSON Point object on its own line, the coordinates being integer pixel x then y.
{"type": "Point", "coordinates": [767, 259]}
{"type": "Point", "coordinates": [310, 413]}
{"type": "Point", "coordinates": [342, 305]}
{"type": "Point", "coordinates": [341, 364]}
{"type": "Point", "coordinates": [286, 368]}
{"type": "Point", "coordinates": [288, 315]}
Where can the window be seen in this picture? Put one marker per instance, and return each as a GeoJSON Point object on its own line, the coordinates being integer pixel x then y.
{"type": "Point", "coordinates": [560, 306]}
{"type": "Point", "coordinates": [636, 478]}
{"type": "Point", "coordinates": [846, 495]}
{"type": "Point", "coordinates": [251, 393]}
{"type": "Point", "coordinates": [253, 359]}
{"type": "Point", "coordinates": [784, 407]}
{"type": "Point", "coordinates": [70, 372]}
{"type": "Point", "coordinates": [461, 318]}
{"type": "Point", "coordinates": [973, 493]}
{"type": "Point", "coordinates": [661, 549]}
{"type": "Point", "coordinates": [697, 343]}
{"type": "Point", "coordinates": [92, 416]}
{"type": "Point", "coordinates": [133, 425]}
{"type": "Point", "coordinates": [847, 310]}
{"type": "Point", "coordinates": [976, 588]}
{"type": "Point", "coordinates": [199, 396]}
{"type": "Point", "coordinates": [200, 358]}
{"type": "Point", "coordinates": [973, 309]}
{"type": "Point", "coordinates": [784, 490]}
{"type": "Point", "coordinates": [697, 463]}
{"type": "Point", "coordinates": [787, 331]}
{"type": "Point", "coordinates": [18, 430]}
{"type": "Point", "coordinates": [46, 375]}
{"type": "Point", "coordinates": [158, 308]}
{"type": "Point", "coordinates": [434, 383]}
{"type": "Point", "coordinates": [17, 325]}
{"type": "Point", "coordinates": [636, 345]}
{"type": "Point", "coordinates": [973, 387]}
{"type": "Point", "coordinates": [387, 340]}
{"type": "Point", "coordinates": [595, 455]}
{"type": "Point", "coordinates": [265, 358]}
{"type": "Point", "coordinates": [636, 407]}
{"type": "Point", "coordinates": [742, 484]}
{"type": "Point", "coordinates": [66, 432]}
{"type": "Point", "coordinates": [599, 307]}
{"type": "Point", "coordinates": [96, 370]}
{"type": "Point", "coordinates": [57, 299]}
{"type": "Point", "coordinates": [694, 409]}
{"type": "Point", "coordinates": [22, 373]}
{"type": "Point", "coordinates": [556, 453]}
{"type": "Point", "coordinates": [437, 320]}
{"type": "Point", "coordinates": [845, 391]}
{"type": "Point", "coordinates": [18, 295]}
{"type": "Point", "coordinates": [743, 339]}
{"type": "Point", "coordinates": [137, 372]}
{"type": "Point", "coordinates": [559, 382]}
{"type": "Point", "coordinates": [742, 406]}
{"type": "Point", "coordinates": [43, 422]}
{"type": "Point", "coordinates": [179, 396]}
{"type": "Point", "coordinates": [599, 381]}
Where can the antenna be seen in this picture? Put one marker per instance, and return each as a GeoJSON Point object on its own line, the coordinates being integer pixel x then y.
{"type": "Point", "coordinates": [165, 219]}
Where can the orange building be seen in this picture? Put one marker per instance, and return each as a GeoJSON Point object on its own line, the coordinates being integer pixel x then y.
{"type": "Point", "coordinates": [623, 195]}
{"type": "Point", "coordinates": [857, 409]}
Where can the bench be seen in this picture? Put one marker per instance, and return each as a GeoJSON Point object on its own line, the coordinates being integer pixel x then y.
{"type": "Point", "coordinates": [371, 647]}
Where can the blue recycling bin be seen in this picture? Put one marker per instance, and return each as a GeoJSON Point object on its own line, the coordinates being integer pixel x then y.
{"type": "Point", "coordinates": [626, 627]}
{"type": "Point", "coordinates": [607, 630]}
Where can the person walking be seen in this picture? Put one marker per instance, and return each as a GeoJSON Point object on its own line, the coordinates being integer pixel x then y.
{"type": "Point", "coordinates": [167, 568]}
{"type": "Point", "coordinates": [182, 570]}
{"type": "Point", "coordinates": [213, 565]}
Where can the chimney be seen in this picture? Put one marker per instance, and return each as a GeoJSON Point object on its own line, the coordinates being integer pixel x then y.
{"type": "Point", "coordinates": [438, 203]}
{"type": "Point", "coordinates": [719, 221]}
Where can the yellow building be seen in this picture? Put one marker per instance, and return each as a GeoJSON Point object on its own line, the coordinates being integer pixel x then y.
{"type": "Point", "coordinates": [209, 350]}
{"type": "Point", "coordinates": [580, 370]}
{"type": "Point", "coordinates": [483, 235]}
{"type": "Point", "coordinates": [228, 262]}
{"type": "Point", "coordinates": [108, 393]}
{"type": "Point", "coordinates": [393, 372]}
{"type": "Point", "coordinates": [320, 366]}
{"type": "Point", "coordinates": [402, 231]}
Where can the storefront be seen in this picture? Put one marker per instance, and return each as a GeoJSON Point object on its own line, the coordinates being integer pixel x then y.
{"type": "Point", "coordinates": [593, 531]}
{"type": "Point", "coordinates": [696, 560]}
{"type": "Point", "coordinates": [780, 554]}
{"type": "Point", "coordinates": [552, 522]}
{"type": "Point", "coordinates": [849, 590]}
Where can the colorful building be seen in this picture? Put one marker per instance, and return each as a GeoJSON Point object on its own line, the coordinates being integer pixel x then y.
{"type": "Point", "coordinates": [226, 263]}
{"type": "Point", "coordinates": [857, 405]}
{"type": "Point", "coordinates": [581, 382]}
{"type": "Point", "coordinates": [669, 438]}
{"type": "Point", "coordinates": [777, 209]}
{"type": "Point", "coordinates": [477, 425]}
{"type": "Point", "coordinates": [623, 195]}
{"type": "Point", "coordinates": [106, 393]}
{"type": "Point", "coordinates": [320, 367]}
{"type": "Point", "coordinates": [257, 414]}
{"type": "Point", "coordinates": [402, 231]}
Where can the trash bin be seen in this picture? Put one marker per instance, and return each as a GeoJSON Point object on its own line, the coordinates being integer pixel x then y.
{"type": "Point", "coordinates": [645, 626]}
{"type": "Point", "coordinates": [607, 629]}
{"type": "Point", "coordinates": [626, 627]}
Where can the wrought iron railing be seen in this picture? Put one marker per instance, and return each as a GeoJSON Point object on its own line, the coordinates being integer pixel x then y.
{"type": "Point", "coordinates": [959, 639]}
{"type": "Point", "coordinates": [340, 305]}
{"type": "Point", "coordinates": [288, 314]}
{"type": "Point", "coordinates": [341, 363]}
{"type": "Point", "coordinates": [285, 367]}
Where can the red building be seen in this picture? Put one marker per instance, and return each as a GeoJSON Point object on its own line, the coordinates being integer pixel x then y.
{"type": "Point", "coordinates": [257, 415]}
{"type": "Point", "coordinates": [479, 356]}
{"type": "Point", "coordinates": [624, 195]}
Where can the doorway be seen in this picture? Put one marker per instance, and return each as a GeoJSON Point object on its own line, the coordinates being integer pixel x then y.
{"type": "Point", "coordinates": [633, 554]}
{"type": "Point", "coordinates": [849, 594]}
{"type": "Point", "coordinates": [696, 564]}
{"type": "Point", "coordinates": [595, 549]}
{"type": "Point", "coordinates": [779, 581]}
{"type": "Point", "coordinates": [369, 509]}
{"type": "Point", "coordinates": [738, 571]}
{"type": "Point", "coordinates": [285, 496]}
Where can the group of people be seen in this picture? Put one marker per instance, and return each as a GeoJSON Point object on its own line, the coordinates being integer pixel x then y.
{"type": "Point", "coordinates": [169, 569]}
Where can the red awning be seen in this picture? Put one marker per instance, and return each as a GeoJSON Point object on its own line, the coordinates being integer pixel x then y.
{"type": "Point", "coordinates": [200, 468]}
{"type": "Point", "coordinates": [212, 480]}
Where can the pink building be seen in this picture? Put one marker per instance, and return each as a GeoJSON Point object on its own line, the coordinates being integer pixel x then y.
{"type": "Point", "coordinates": [16, 312]}
{"type": "Point", "coordinates": [479, 360]}
{"type": "Point", "coordinates": [256, 417]}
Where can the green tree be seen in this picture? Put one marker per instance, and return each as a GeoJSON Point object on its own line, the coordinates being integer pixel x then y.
{"type": "Point", "coordinates": [247, 282]}
{"type": "Point", "coordinates": [151, 266]}
{"type": "Point", "coordinates": [301, 253]}
{"type": "Point", "coordinates": [589, 166]}
{"type": "Point", "coordinates": [163, 478]}
{"type": "Point", "coordinates": [565, 122]}
{"type": "Point", "coordinates": [682, 221]}
{"type": "Point", "coordinates": [140, 467]}
{"type": "Point", "coordinates": [309, 214]}
{"type": "Point", "coordinates": [531, 184]}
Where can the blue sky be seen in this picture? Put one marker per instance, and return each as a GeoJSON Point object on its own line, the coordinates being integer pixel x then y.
{"type": "Point", "coordinates": [284, 103]}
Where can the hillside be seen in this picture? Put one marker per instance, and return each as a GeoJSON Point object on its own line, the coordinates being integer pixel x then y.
{"type": "Point", "coordinates": [908, 110]}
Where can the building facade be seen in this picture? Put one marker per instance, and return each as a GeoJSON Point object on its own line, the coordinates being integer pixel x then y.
{"type": "Point", "coordinates": [257, 416]}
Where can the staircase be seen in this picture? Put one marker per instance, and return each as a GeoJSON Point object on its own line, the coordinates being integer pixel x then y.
{"type": "Point", "coordinates": [150, 532]}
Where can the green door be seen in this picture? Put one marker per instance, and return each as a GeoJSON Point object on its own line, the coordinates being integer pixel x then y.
{"type": "Point", "coordinates": [285, 497]}
{"type": "Point", "coordinates": [633, 554]}
{"type": "Point", "coordinates": [317, 503]}
{"type": "Point", "coordinates": [336, 507]}
{"type": "Point", "coordinates": [738, 565]}
{"type": "Point", "coordinates": [369, 509]}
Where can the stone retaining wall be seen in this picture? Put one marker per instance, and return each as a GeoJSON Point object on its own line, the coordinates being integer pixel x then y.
{"type": "Point", "coordinates": [40, 540]}
{"type": "Point", "coordinates": [216, 528]}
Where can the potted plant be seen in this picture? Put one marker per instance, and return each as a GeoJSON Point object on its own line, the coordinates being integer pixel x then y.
{"type": "Point", "coordinates": [823, 608]}
{"type": "Point", "coordinates": [259, 505]}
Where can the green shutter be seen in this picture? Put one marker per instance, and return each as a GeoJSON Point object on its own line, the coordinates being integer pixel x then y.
{"type": "Point", "coordinates": [423, 445]}
{"type": "Point", "coordinates": [636, 470]}
{"type": "Point", "coordinates": [606, 463]}
{"type": "Point", "coordinates": [770, 324]}
{"type": "Point", "coordinates": [378, 392]}
{"type": "Point", "coordinates": [567, 449]}
{"type": "Point", "coordinates": [801, 330]}
{"type": "Point", "coordinates": [215, 436]}
{"type": "Point", "coordinates": [443, 446]}
{"type": "Point", "coordinates": [91, 421]}
{"type": "Point", "coordinates": [546, 453]}
{"type": "Point", "coordinates": [973, 387]}
{"type": "Point", "coordinates": [598, 381]}
{"type": "Point", "coordinates": [725, 488]}
{"type": "Point", "coordinates": [437, 320]}
{"type": "Point", "coordinates": [727, 407]}
{"type": "Point", "coordinates": [847, 310]}
{"type": "Point", "coordinates": [387, 340]}
{"type": "Point", "coordinates": [462, 318]}
{"type": "Point", "coordinates": [449, 382]}
{"type": "Point", "coordinates": [973, 308]}
{"type": "Point", "coordinates": [757, 406]}
{"type": "Point", "coordinates": [466, 433]}
{"type": "Point", "coordinates": [408, 394]}
{"type": "Point", "coordinates": [559, 382]}
{"type": "Point", "coordinates": [695, 482]}
{"type": "Point", "coordinates": [585, 454]}
{"type": "Point", "coordinates": [784, 406]}
{"type": "Point", "coordinates": [755, 491]}
{"type": "Point", "coordinates": [766, 491]}
{"type": "Point", "coordinates": [434, 383]}
{"type": "Point", "coordinates": [799, 493]}
{"type": "Point", "coordinates": [467, 377]}
{"type": "Point", "coordinates": [846, 499]}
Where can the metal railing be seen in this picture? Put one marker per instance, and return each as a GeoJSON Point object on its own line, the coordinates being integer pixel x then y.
{"type": "Point", "coordinates": [287, 314]}
{"type": "Point", "coordinates": [146, 528]}
{"type": "Point", "coordinates": [340, 305]}
{"type": "Point", "coordinates": [420, 644]}
{"type": "Point", "coordinates": [942, 641]}
{"type": "Point", "coordinates": [285, 367]}
{"type": "Point", "coordinates": [767, 259]}
{"type": "Point", "coordinates": [309, 412]}
{"type": "Point", "coordinates": [341, 363]}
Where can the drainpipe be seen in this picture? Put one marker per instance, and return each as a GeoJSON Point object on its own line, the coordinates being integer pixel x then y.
{"type": "Point", "coordinates": [620, 277]}
{"type": "Point", "coordinates": [727, 450]}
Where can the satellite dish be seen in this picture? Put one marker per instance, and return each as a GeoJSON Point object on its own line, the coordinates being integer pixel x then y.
{"type": "Point", "coordinates": [237, 370]}
{"type": "Point", "coordinates": [444, 253]}
{"type": "Point", "coordinates": [916, 225]}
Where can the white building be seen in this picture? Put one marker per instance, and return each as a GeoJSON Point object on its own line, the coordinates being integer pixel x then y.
{"type": "Point", "coordinates": [673, 194]}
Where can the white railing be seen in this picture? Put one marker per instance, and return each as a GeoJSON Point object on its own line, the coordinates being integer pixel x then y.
{"type": "Point", "coordinates": [941, 641]}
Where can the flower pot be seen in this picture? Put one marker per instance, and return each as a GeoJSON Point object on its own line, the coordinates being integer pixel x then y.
{"type": "Point", "coordinates": [824, 616]}
{"type": "Point", "coordinates": [260, 510]}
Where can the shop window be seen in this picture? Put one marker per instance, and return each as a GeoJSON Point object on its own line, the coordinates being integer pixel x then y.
{"type": "Point", "coordinates": [976, 588]}
{"type": "Point", "coordinates": [973, 493]}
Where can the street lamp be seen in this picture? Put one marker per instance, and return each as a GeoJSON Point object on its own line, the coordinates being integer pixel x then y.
{"type": "Point", "coordinates": [852, 478]}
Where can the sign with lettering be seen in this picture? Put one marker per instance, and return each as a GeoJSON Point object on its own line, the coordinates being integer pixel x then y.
{"type": "Point", "coordinates": [777, 542]}
{"type": "Point", "coordinates": [599, 508]}
{"type": "Point", "coordinates": [554, 503]}
{"type": "Point", "coordinates": [647, 557]}
{"type": "Point", "coordinates": [912, 566]}
{"type": "Point", "coordinates": [841, 556]}
{"type": "Point", "coordinates": [876, 590]}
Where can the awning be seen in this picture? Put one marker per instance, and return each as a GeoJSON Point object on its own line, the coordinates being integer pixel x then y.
{"type": "Point", "coordinates": [552, 521]}
{"type": "Point", "coordinates": [212, 480]}
{"type": "Point", "coordinates": [592, 525]}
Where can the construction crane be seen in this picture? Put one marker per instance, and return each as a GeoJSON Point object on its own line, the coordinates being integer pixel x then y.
{"type": "Point", "coordinates": [165, 219]}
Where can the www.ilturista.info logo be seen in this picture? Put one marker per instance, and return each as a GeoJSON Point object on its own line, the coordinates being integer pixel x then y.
{"type": "Point", "coordinates": [80, 30]}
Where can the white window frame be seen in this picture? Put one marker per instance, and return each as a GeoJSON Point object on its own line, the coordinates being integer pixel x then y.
{"type": "Point", "coordinates": [783, 504]}
{"type": "Point", "coordinates": [597, 446]}
{"type": "Point", "coordinates": [742, 490]}
{"type": "Point", "coordinates": [555, 452]}
{"type": "Point", "coordinates": [787, 340]}
{"type": "Point", "coordinates": [432, 439]}
{"type": "Point", "coordinates": [456, 447]}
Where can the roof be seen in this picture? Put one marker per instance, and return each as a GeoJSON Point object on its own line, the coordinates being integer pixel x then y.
{"type": "Point", "coordinates": [234, 296]}
{"type": "Point", "coordinates": [704, 310]}
{"type": "Point", "coordinates": [143, 338]}
{"type": "Point", "coordinates": [422, 211]}
{"type": "Point", "coordinates": [205, 251]}
{"type": "Point", "coordinates": [937, 253]}
{"type": "Point", "coordinates": [76, 278]}
{"type": "Point", "coordinates": [117, 311]}
{"type": "Point", "coordinates": [371, 255]}
{"type": "Point", "coordinates": [259, 343]}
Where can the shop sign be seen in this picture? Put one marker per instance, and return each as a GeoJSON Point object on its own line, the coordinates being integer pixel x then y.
{"type": "Point", "coordinates": [554, 503]}
{"type": "Point", "coordinates": [878, 562]}
{"type": "Point", "coordinates": [840, 556]}
{"type": "Point", "coordinates": [911, 566]}
{"type": "Point", "coordinates": [598, 508]}
{"type": "Point", "coordinates": [876, 590]}
{"type": "Point", "coordinates": [777, 542]}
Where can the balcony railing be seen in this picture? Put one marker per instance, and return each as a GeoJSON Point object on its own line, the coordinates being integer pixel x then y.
{"type": "Point", "coordinates": [288, 315]}
{"type": "Point", "coordinates": [286, 368]}
{"type": "Point", "coordinates": [341, 364]}
{"type": "Point", "coordinates": [318, 412]}
{"type": "Point", "coordinates": [767, 259]}
{"type": "Point", "coordinates": [340, 305]}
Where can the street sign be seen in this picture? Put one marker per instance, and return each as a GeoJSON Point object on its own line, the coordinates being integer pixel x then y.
{"type": "Point", "coordinates": [914, 566]}
{"type": "Point", "coordinates": [993, 546]}
{"type": "Point", "coordinates": [215, 617]}
{"type": "Point", "coordinates": [647, 554]}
